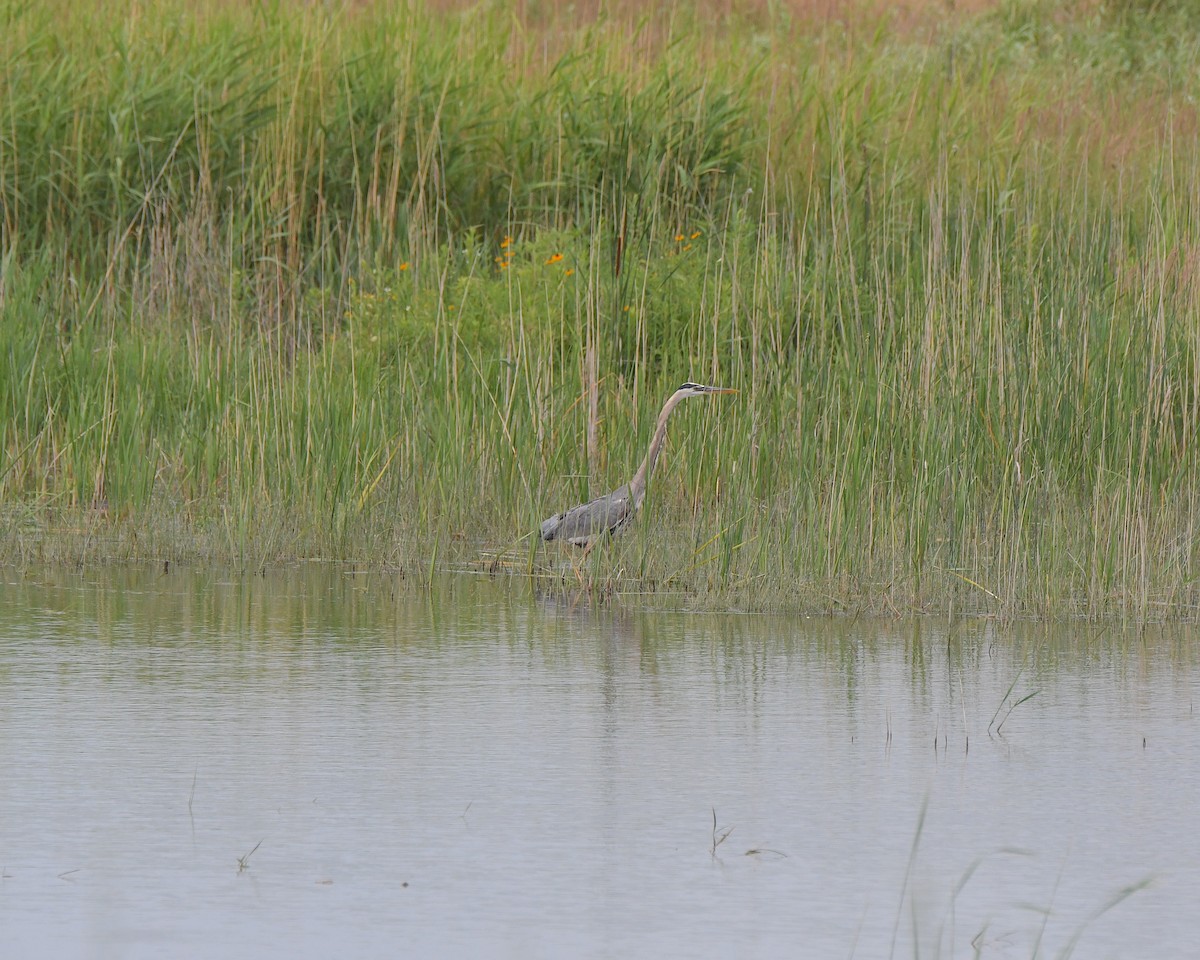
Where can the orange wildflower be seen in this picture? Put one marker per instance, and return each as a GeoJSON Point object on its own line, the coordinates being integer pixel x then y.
{"type": "Point", "coordinates": [555, 258]}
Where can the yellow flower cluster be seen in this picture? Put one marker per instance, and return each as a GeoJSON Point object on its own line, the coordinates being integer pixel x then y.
{"type": "Point", "coordinates": [505, 259]}
{"type": "Point", "coordinates": [558, 258]}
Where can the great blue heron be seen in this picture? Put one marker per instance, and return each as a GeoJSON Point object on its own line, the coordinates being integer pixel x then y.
{"type": "Point", "coordinates": [585, 524]}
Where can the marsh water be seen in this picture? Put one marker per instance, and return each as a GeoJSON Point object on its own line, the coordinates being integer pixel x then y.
{"type": "Point", "coordinates": [322, 763]}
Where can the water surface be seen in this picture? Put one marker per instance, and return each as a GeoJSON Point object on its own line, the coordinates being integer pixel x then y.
{"type": "Point", "coordinates": [319, 763]}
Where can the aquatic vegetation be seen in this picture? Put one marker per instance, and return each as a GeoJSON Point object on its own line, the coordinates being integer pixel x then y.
{"type": "Point", "coordinates": [323, 286]}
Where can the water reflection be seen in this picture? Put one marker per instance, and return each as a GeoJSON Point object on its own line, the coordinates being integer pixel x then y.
{"type": "Point", "coordinates": [472, 769]}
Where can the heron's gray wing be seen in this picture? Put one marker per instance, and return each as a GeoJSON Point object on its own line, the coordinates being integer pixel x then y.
{"type": "Point", "coordinates": [581, 524]}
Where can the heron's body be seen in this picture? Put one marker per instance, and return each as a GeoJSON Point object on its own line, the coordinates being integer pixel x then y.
{"type": "Point", "coordinates": [580, 525]}
{"type": "Point", "coordinates": [584, 524]}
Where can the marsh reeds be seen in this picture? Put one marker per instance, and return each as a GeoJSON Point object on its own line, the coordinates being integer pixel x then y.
{"type": "Point", "coordinates": [389, 284]}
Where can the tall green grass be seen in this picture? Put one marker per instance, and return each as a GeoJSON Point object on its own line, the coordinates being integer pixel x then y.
{"type": "Point", "coordinates": [390, 284]}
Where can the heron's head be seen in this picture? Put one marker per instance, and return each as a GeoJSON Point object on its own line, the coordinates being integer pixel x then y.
{"type": "Point", "coordinates": [699, 389]}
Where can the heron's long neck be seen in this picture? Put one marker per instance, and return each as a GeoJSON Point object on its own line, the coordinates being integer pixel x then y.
{"type": "Point", "coordinates": [637, 486]}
